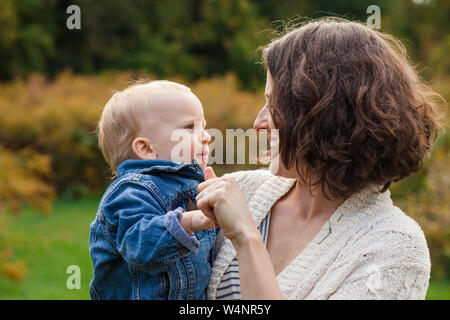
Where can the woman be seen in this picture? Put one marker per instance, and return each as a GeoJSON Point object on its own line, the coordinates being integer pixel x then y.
{"type": "Point", "coordinates": [352, 117]}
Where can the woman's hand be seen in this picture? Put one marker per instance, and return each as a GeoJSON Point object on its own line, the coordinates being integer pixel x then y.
{"type": "Point", "coordinates": [221, 199]}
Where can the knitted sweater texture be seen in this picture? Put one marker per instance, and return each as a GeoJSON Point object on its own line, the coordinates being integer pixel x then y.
{"type": "Point", "coordinates": [368, 249]}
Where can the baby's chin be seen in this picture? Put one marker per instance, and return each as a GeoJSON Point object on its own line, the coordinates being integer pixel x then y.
{"type": "Point", "coordinates": [203, 163]}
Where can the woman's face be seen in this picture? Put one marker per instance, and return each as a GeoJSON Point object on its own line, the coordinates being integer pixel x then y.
{"type": "Point", "coordinates": [264, 121]}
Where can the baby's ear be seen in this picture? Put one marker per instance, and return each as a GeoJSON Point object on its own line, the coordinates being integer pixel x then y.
{"type": "Point", "coordinates": [143, 149]}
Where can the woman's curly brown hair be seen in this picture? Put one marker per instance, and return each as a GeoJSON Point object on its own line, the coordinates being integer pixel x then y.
{"type": "Point", "coordinates": [350, 109]}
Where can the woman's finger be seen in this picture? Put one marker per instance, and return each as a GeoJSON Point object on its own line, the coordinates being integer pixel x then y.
{"type": "Point", "coordinates": [207, 183]}
{"type": "Point", "coordinates": [205, 204]}
{"type": "Point", "coordinates": [209, 189]}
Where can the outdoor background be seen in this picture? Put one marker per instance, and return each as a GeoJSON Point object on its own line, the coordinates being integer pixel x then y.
{"type": "Point", "coordinates": [55, 82]}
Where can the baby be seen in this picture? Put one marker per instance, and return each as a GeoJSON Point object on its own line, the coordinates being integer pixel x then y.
{"type": "Point", "coordinates": [144, 242]}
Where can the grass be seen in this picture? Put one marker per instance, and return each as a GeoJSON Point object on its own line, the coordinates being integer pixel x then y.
{"type": "Point", "coordinates": [439, 290]}
{"type": "Point", "coordinates": [48, 244]}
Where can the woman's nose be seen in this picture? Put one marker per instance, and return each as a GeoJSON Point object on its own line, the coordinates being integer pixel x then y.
{"type": "Point", "coordinates": [261, 121]}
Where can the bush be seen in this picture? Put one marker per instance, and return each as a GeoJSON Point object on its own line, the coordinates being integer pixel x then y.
{"type": "Point", "coordinates": [22, 180]}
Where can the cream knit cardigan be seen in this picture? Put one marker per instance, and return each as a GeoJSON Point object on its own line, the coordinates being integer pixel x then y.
{"type": "Point", "coordinates": [368, 249]}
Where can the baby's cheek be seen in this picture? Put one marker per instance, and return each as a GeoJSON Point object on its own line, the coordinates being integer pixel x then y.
{"type": "Point", "coordinates": [192, 151]}
{"type": "Point", "coordinates": [188, 149]}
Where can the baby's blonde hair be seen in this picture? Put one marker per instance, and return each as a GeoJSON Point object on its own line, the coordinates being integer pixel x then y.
{"type": "Point", "coordinates": [121, 119]}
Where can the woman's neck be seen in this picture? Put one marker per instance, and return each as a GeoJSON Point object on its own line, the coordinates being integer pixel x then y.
{"type": "Point", "coordinates": [310, 205]}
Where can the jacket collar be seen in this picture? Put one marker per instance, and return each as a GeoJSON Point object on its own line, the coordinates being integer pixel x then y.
{"type": "Point", "coordinates": [190, 170]}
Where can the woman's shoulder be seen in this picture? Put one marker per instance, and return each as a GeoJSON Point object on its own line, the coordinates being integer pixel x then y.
{"type": "Point", "coordinates": [263, 180]}
{"type": "Point", "coordinates": [250, 176]}
{"type": "Point", "coordinates": [371, 213]}
{"type": "Point", "coordinates": [396, 221]}
{"type": "Point", "coordinates": [249, 180]}
{"type": "Point", "coordinates": [395, 237]}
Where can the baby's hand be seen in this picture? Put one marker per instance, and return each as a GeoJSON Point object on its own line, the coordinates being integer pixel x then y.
{"type": "Point", "coordinates": [195, 221]}
{"type": "Point", "coordinates": [200, 221]}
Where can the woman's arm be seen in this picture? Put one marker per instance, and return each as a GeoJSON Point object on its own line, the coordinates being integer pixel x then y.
{"type": "Point", "coordinates": [222, 199]}
{"type": "Point", "coordinates": [256, 273]}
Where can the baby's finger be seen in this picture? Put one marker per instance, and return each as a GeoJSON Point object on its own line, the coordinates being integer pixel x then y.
{"type": "Point", "coordinates": [212, 222]}
{"type": "Point", "coordinates": [209, 173]}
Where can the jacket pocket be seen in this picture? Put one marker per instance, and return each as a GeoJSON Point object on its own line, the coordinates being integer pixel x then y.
{"type": "Point", "coordinates": [110, 234]}
{"type": "Point", "coordinates": [164, 287]}
{"type": "Point", "coordinates": [93, 293]}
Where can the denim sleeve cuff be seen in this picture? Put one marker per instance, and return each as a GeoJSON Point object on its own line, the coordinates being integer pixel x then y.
{"type": "Point", "coordinates": [172, 224]}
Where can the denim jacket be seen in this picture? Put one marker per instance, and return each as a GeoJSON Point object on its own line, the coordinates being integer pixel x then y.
{"type": "Point", "coordinates": [138, 247]}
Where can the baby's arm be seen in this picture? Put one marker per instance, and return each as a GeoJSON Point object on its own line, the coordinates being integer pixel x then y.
{"type": "Point", "coordinates": [195, 221]}
{"type": "Point", "coordinates": [141, 231]}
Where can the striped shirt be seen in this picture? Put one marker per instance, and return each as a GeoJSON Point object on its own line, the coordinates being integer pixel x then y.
{"type": "Point", "coordinates": [229, 287]}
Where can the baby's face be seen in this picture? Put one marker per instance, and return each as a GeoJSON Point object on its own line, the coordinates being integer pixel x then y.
{"type": "Point", "coordinates": [175, 125]}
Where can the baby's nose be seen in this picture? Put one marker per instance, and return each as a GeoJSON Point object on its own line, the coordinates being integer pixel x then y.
{"type": "Point", "coordinates": [206, 138]}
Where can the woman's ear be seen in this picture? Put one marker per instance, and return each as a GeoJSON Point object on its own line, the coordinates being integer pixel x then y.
{"type": "Point", "coordinates": [143, 149]}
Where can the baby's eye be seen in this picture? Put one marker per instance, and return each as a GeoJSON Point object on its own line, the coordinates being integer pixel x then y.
{"type": "Point", "coordinates": [189, 126]}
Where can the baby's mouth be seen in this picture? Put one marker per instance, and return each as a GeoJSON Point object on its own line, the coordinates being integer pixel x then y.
{"type": "Point", "coordinates": [204, 154]}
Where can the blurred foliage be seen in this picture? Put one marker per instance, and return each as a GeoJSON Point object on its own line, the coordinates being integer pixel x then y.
{"type": "Point", "coordinates": [14, 270]}
{"type": "Point", "coordinates": [23, 179]}
{"type": "Point", "coordinates": [191, 38]}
